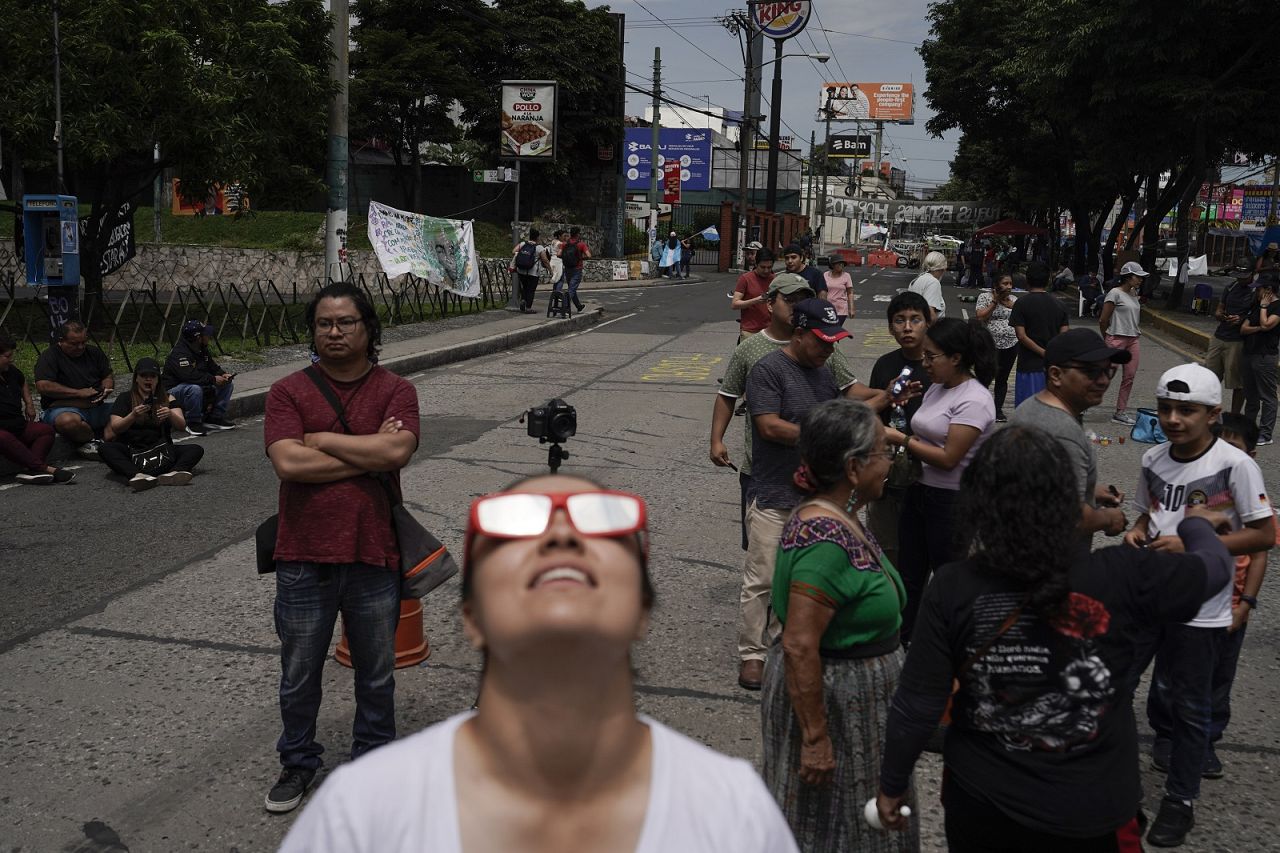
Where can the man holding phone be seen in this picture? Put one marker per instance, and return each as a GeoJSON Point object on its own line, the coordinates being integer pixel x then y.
{"type": "Point", "coordinates": [74, 380]}
{"type": "Point", "coordinates": [201, 387]}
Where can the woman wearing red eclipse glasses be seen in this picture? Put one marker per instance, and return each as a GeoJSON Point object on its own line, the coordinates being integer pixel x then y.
{"type": "Point", "coordinates": [555, 591]}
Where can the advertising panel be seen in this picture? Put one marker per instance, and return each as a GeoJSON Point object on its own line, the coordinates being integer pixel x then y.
{"type": "Point", "coordinates": [867, 102]}
{"type": "Point", "coordinates": [850, 145]}
{"type": "Point", "coordinates": [528, 120]}
{"type": "Point", "coordinates": [671, 182]}
{"type": "Point", "coordinates": [692, 148]}
{"type": "Point", "coordinates": [780, 20]}
{"type": "Point", "coordinates": [1254, 208]}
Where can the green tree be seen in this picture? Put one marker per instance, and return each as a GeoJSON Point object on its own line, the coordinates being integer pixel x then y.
{"type": "Point", "coordinates": [229, 89]}
{"type": "Point", "coordinates": [417, 66]}
{"type": "Point", "coordinates": [1077, 104]}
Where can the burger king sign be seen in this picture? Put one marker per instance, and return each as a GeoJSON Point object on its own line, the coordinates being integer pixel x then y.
{"type": "Point", "coordinates": [780, 20]}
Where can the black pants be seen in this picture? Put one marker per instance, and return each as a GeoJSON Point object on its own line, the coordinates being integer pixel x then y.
{"type": "Point", "coordinates": [528, 286]}
{"type": "Point", "coordinates": [118, 458]}
{"type": "Point", "coordinates": [1004, 366]}
{"type": "Point", "coordinates": [976, 826]}
{"type": "Point", "coordinates": [926, 540]}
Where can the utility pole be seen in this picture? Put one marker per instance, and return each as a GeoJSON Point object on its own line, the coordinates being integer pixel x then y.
{"type": "Point", "coordinates": [775, 124]}
{"type": "Point", "coordinates": [157, 193]}
{"type": "Point", "coordinates": [739, 24]}
{"type": "Point", "coordinates": [654, 167]}
{"type": "Point", "coordinates": [813, 177]}
{"type": "Point", "coordinates": [826, 158]}
{"type": "Point", "coordinates": [57, 95]}
{"type": "Point", "coordinates": [335, 229]}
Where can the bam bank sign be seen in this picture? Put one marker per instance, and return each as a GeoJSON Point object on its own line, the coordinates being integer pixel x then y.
{"type": "Point", "coordinates": [780, 20]}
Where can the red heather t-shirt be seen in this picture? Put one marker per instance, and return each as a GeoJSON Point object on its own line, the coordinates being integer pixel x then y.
{"type": "Point", "coordinates": [750, 285]}
{"type": "Point", "coordinates": [348, 521]}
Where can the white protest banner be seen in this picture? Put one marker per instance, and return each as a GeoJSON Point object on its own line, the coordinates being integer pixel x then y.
{"type": "Point", "coordinates": [442, 251]}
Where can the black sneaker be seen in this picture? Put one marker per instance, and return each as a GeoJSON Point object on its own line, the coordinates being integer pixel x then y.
{"type": "Point", "coordinates": [89, 450]}
{"type": "Point", "coordinates": [32, 478]}
{"type": "Point", "coordinates": [196, 429]}
{"type": "Point", "coordinates": [1160, 752]}
{"type": "Point", "coordinates": [1212, 765]}
{"type": "Point", "coordinates": [1174, 820]}
{"type": "Point", "coordinates": [1000, 418]}
{"type": "Point", "coordinates": [62, 475]}
{"type": "Point", "coordinates": [289, 789]}
{"type": "Point", "coordinates": [218, 423]}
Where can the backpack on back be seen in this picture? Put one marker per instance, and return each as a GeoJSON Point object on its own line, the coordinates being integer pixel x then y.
{"type": "Point", "coordinates": [527, 257]}
{"type": "Point", "coordinates": [570, 254]}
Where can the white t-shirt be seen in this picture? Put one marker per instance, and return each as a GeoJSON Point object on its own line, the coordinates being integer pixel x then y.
{"type": "Point", "coordinates": [931, 289]}
{"type": "Point", "coordinates": [402, 797]}
{"type": "Point", "coordinates": [1127, 313]}
{"type": "Point", "coordinates": [1224, 478]}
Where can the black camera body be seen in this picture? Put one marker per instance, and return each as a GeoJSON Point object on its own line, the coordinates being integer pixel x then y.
{"type": "Point", "coordinates": [554, 421]}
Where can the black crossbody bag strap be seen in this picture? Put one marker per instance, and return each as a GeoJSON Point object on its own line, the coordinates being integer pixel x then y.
{"type": "Point", "coordinates": [331, 396]}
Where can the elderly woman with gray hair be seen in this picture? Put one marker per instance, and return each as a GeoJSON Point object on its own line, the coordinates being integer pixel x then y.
{"type": "Point", "coordinates": [829, 677]}
{"type": "Point", "coordinates": [929, 283]}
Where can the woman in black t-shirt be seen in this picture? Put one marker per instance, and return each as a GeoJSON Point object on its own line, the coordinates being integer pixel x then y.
{"type": "Point", "coordinates": [139, 443]}
{"type": "Point", "coordinates": [1261, 333]}
{"type": "Point", "coordinates": [24, 441]}
{"type": "Point", "coordinates": [1042, 750]}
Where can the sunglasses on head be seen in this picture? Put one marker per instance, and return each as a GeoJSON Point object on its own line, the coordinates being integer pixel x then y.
{"type": "Point", "coordinates": [527, 515]}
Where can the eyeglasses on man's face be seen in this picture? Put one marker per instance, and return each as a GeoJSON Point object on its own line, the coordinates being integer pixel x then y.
{"type": "Point", "coordinates": [1094, 371]}
{"type": "Point", "coordinates": [903, 322]}
{"type": "Point", "coordinates": [345, 325]}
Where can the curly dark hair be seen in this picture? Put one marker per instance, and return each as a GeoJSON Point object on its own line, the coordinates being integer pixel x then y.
{"type": "Point", "coordinates": [970, 340]}
{"type": "Point", "coordinates": [342, 290]}
{"type": "Point", "coordinates": [1022, 473]}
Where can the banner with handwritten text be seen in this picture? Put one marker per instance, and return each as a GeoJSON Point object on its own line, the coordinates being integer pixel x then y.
{"type": "Point", "coordinates": [442, 251]}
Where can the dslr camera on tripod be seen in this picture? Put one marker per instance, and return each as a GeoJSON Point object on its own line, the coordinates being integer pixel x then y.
{"type": "Point", "coordinates": [555, 421]}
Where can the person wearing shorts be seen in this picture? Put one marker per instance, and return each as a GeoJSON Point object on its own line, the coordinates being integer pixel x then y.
{"type": "Point", "coordinates": [74, 380]}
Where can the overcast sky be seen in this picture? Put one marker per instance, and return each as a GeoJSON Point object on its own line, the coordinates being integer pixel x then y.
{"type": "Point", "coordinates": [873, 42]}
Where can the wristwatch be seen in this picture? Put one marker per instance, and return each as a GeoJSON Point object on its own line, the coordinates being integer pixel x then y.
{"type": "Point", "coordinates": [1250, 600]}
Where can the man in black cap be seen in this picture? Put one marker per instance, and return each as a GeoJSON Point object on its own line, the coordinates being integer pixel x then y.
{"type": "Point", "coordinates": [1078, 371]}
{"type": "Point", "coordinates": [201, 387]}
{"type": "Point", "coordinates": [794, 259]}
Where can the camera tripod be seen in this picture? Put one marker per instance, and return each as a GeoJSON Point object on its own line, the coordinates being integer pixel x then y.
{"type": "Point", "coordinates": [555, 455]}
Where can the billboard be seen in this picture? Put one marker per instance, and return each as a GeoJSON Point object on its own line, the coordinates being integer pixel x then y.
{"type": "Point", "coordinates": [528, 120]}
{"type": "Point", "coordinates": [1255, 207]}
{"type": "Point", "coordinates": [780, 20]}
{"type": "Point", "coordinates": [868, 102]}
{"type": "Point", "coordinates": [849, 146]}
{"type": "Point", "coordinates": [691, 147]}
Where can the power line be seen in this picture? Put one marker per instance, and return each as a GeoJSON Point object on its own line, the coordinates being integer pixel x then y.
{"type": "Point", "coordinates": [830, 46]}
{"type": "Point", "coordinates": [865, 36]}
{"type": "Point", "coordinates": [685, 40]}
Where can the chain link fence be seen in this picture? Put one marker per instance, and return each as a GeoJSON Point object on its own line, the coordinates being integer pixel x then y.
{"type": "Point", "coordinates": [132, 322]}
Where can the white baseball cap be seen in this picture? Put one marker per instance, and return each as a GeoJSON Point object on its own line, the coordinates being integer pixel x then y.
{"type": "Point", "coordinates": [1133, 268]}
{"type": "Point", "coordinates": [1190, 383]}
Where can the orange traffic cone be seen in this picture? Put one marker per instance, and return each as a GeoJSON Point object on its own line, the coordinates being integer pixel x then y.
{"type": "Point", "coordinates": [411, 641]}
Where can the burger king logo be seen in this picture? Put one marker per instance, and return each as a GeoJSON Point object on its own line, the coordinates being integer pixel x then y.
{"type": "Point", "coordinates": [780, 20]}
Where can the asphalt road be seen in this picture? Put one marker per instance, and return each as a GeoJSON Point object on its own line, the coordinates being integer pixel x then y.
{"type": "Point", "coordinates": [136, 646]}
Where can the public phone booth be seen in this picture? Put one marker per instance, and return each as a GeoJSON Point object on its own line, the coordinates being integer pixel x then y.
{"type": "Point", "coordinates": [51, 228]}
{"type": "Point", "coordinates": [52, 235]}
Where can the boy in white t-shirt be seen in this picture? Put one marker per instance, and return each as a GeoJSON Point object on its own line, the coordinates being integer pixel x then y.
{"type": "Point", "coordinates": [1193, 468]}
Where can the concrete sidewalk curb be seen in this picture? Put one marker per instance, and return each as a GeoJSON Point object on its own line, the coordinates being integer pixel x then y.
{"type": "Point", "coordinates": [254, 401]}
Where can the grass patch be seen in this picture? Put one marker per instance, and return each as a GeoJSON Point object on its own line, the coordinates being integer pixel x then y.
{"type": "Point", "coordinates": [278, 230]}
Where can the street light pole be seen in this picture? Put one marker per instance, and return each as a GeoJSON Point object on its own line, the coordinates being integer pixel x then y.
{"type": "Point", "coordinates": [745, 144]}
{"type": "Point", "coordinates": [335, 229]}
{"type": "Point", "coordinates": [775, 124]}
{"type": "Point", "coordinates": [826, 170]}
{"type": "Point", "coordinates": [57, 95]}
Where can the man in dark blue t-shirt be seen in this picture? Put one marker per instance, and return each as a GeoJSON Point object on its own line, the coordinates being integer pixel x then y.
{"type": "Point", "coordinates": [793, 258]}
{"type": "Point", "coordinates": [781, 388]}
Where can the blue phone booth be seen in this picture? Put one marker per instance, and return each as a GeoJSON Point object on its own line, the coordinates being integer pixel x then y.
{"type": "Point", "coordinates": [51, 227]}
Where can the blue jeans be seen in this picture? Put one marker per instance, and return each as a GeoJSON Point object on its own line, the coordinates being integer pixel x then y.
{"type": "Point", "coordinates": [573, 278]}
{"type": "Point", "coordinates": [309, 597]}
{"type": "Point", "coordinates": [95, 416]}
{"type": "Point", "coordinates": [1224, 675]}
{"type": "Point", "coordinates": [191, 400]}
{"type": "Point", "coordinates": [1180, 702]}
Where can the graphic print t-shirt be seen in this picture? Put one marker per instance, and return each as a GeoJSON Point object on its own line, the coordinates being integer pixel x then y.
{"type": "Point", "coordinates": [1047, 709]}
{"type": "Point", "coordinates": [1223, 478]}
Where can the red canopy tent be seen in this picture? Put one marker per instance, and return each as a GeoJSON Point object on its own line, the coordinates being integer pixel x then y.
{"type": "Point", "coordinates": [1010, 228]}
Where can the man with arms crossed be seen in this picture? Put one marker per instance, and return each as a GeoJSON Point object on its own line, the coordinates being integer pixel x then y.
{"type": "Point", "coordinates": [336, 550]}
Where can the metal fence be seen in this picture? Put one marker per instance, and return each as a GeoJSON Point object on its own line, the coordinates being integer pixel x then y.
{"type": "Point", "coordinates": [256, 314]}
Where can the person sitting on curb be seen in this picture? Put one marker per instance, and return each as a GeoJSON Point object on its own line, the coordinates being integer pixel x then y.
{"type": "Point", "coordinates": [24, 441]}
{"type": "Point", "coordinates": [201, 387]}
{"type": "Point", "coordinates": [74, 380]}
{"type": "Point", "coordinates": [139, 441]}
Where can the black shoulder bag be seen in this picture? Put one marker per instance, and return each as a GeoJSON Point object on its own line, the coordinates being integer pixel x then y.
{"type": "Point", "coordinates": [425, 562]}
